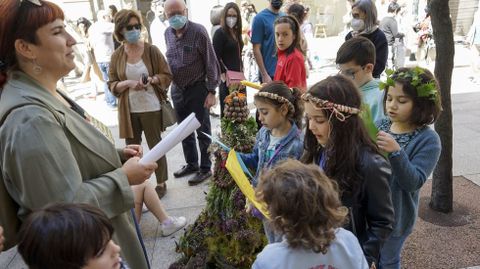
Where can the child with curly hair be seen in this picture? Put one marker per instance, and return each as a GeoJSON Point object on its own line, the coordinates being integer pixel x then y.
{"type": "Point", "coordinates": [304, 206]}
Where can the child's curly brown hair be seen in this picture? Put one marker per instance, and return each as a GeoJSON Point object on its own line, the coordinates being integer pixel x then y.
{"type": "Point", "coordinates": [304, 204]}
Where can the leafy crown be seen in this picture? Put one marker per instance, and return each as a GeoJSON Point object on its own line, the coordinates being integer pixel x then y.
{"type": "Point", "coordinates": [427, 90]}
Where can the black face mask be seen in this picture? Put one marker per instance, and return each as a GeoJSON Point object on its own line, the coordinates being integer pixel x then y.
{"type": "Point", "coordinates": [276, 4]}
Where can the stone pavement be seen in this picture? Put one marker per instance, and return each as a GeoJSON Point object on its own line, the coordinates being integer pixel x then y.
{"type": "Point", "coordinates": [184, 200]}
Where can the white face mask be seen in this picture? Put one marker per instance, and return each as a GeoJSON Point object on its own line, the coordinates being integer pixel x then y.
{"type": "Point", "coordinates": [231, 21]}
{"type": "Point", "coordinates": [358, 25]}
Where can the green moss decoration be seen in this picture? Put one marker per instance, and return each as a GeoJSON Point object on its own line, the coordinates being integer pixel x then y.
{"type": "Point", "coordinates": [224, 235]}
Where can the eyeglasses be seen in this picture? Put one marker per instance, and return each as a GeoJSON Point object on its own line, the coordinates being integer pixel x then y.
{"type": "Point", "coordinates": [35, 2]}
{"type": "Point", "coordinates": [135, 26]}
{"type": "Point", "coordinates": [350, 73]}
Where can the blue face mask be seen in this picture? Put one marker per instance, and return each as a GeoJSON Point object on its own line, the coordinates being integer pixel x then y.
{"type": "Point", "coordinates": [132, 36]}
{"type": "Point", "coordinates": [177, 22]}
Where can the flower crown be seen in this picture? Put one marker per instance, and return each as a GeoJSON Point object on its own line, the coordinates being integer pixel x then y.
{"type": "Point", "coordinates": [278, 98]}
{"type": "Point", "coordinates": [337, 109]}
{"type": "Point", "coordinates": [428, 90]}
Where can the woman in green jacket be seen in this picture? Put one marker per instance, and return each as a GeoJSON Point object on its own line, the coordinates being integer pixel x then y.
{"type": "Point", "coordinates": [49, 152]}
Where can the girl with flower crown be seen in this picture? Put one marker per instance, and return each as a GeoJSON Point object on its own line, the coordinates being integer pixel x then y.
{"type": "Point", "coordinates": [337, 140]}
{"type": "Point", "coordinates": [412, 102]}
{"type": "Point", "coordinates": [280, 112]}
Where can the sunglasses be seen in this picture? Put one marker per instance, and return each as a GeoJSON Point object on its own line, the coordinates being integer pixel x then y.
{"type": "Point", "coordinates": [135, 26]}
{"type": "Point", "coordinates": [35, 2]}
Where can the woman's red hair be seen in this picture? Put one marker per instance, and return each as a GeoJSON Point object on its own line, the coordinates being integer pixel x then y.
{"type": "Point", "coordinates": [21, 20]}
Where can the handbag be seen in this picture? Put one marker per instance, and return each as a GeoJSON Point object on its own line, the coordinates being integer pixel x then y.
{"type": "Point", "coordinates": [169, 116]}
{"type": "Point", "coordinates": [233, 77]}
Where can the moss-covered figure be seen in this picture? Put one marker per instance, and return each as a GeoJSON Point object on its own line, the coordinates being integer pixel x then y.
{"type": "Point", "coordinates": [224, 235]}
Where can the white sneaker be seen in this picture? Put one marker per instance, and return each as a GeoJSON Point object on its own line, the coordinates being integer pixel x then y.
{"type": "Point", "coordinates": [173, 225]}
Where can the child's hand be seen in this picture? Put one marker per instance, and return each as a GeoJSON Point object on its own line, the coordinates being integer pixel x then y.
{"type": "Point", "coordinates": [248, 206]}
{"type": "Point", "coordinates": [386, 142]}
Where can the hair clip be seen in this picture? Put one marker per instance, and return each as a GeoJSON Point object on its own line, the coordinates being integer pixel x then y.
{"type": "Point", "coordinates": [35, 2]}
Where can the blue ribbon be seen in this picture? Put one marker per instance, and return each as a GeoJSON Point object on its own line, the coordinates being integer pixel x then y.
{"type": "Point", "coordinates": [240, 161]}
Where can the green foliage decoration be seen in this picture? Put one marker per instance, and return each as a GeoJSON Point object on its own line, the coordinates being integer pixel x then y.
{"type": "Point", "coordinates": [426, 90]}
{"type": "Point", "coordinates": [224, 235]}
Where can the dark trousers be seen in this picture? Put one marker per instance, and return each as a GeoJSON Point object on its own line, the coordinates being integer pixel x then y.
{"type": "Point", "coordinates": [185, 101]}
{"type": "Point", "coordinates": [150, 123]}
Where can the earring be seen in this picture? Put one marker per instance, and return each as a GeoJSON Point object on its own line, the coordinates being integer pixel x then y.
{"type": "Point", "coordinates": [37, 69]}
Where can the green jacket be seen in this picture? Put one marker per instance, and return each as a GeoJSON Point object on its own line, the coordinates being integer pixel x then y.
{"type": "Point", "coordinates": [49, 153]}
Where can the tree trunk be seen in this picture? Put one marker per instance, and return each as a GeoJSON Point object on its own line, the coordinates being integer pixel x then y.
{"type": "Point", "coordinates": [442, 192]}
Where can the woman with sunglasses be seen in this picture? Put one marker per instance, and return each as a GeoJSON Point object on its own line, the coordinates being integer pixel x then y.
{"type": "Point", "coordinates": [49, 152]}
{"type": "Point", "coordinates": [139, 76]}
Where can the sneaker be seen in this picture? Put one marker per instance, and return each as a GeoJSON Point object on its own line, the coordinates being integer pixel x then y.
{"type": "Point", "coordinates": [172, 225]}
{"type": "Point", "coordinates": [145, 209]}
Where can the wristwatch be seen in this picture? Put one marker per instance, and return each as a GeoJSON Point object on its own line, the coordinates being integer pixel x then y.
{"type": "Point", "coordinates": [212, 92]}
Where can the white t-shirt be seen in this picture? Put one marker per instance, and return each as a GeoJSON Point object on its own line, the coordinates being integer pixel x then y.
{"type": "Point", "coordinates": [157, 33]}
{"type": "Point", "coordinates": [101, 40]}
{"type": "Point", "coordinates": [343, 253]}
{"type": "Point", "coordinates": [141, 101]}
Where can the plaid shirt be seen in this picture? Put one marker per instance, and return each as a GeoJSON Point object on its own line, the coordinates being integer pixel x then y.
{"type": "Point", "coordinates": [191, 57]}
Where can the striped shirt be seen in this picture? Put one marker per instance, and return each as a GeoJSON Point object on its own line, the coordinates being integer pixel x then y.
{"type": "Point", "coordinates": [191, 57]}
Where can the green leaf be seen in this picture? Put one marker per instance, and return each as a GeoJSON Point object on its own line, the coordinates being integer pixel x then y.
{"type": "Point", "coordinates": [367, 119]}
{"type": "Point", "coordinates": [389, 72]}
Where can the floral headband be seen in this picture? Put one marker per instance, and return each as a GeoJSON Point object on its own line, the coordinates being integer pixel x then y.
{"type": "Point", "coordinates": [428, 90]}
{"type": "Point", "coordinates": [338, 110]}
{"type": "Point", "coordinates": [277, 98]}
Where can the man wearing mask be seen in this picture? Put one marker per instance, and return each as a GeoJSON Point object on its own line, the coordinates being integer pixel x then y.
{"type": "Point", "coordinates": [196, 74]}
{"type": "Point", "coordinates": [263, 40]}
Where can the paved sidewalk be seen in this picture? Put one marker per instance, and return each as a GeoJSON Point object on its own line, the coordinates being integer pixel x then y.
{"type": "Point", "coordinates": [188, 201]}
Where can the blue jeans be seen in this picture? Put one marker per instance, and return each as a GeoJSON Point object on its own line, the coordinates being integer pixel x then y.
{"type": "Point", "coordinates": [390, 252]}
{"type": "Point", "coordinates": [109, 97]}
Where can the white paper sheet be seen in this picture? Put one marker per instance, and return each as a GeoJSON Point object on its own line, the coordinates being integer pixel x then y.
{"type": "Point", "coordinates": [184, 129]}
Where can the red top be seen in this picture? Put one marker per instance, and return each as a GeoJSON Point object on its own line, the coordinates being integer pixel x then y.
{"type": "Point", "coordinates": [291, 69]}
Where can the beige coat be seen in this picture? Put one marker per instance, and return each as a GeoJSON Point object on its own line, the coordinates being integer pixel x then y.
{"type": "Point", "coordinates": [49, 153]}
{"type": "Point", "coordinates": [156, 65]}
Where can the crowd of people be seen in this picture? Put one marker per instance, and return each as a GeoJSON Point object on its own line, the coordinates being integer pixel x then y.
{"type": "Point", "coordinates": [355, 195]}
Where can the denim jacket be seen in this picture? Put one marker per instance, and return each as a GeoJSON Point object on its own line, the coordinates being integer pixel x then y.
{"type": "Point", "coordinates": [291, 146]}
